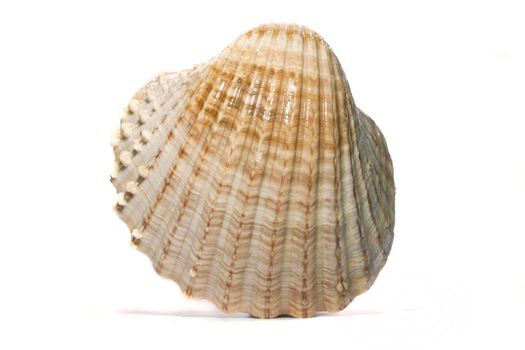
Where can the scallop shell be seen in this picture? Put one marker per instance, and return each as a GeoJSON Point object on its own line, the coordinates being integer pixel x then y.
{"type": "Point", "coordinates": [254, 181]}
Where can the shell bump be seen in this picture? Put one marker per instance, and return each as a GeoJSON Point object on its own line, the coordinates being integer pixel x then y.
{"type": "Point", "coordinates": [254, 181]}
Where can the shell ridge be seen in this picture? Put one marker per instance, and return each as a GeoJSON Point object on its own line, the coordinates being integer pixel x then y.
{"type": "Point", "coordinates": [374, 190]}
{"type": "Point", "coordinates": [240, 224]}
{"type": "Point", "coordinates": [188, 238]}
{"type": "Point", "coordinates": [285, 288]}
{"type": "Point", "coordinates": [366, 206]}
{"type": "Point", "coordinates": [318, 241]}
{"type": "Point", "coordinates": [151, 163]}
{"type": "Point", "coordinates": [310, 228]}
{"type": "Point", "coordinates": [387, 177]}
{"type": "Point", "coordinates": [378, 213]}
{"type": "Point", "coordinates": [366, 135]}
{"type": "Point", "coordinates": [259, 214]}
{"type": "Point", "coordinates": [301, 130]}
{"type": "Point", "coordinates": [340, 280]}
{"type": "Point", "coordinates": [213, 209]}
{"type": "Point", "coordinates": [164, 247]}
{"type": "Point", "coordinates": [241, 165]}
{"type": "Point", "coordinates": [250, 250]}
{"type": "Point", "coordinates": [124, 140]}
{"type": "Point", "coordinates": [325, 211]}
{"type": "Point", "coordinates": [218, 264]}
{"type": "Point", "coordinates": [130, 121]}
{"type": "Point", "coordinates": [362, 202]}
{"type": "Point", "coordinates": [196, 120]}
{"type": "Point", "coordinates": [159, 110]}
{"type": "Point", "coordinates": [213, 202]}
{"type": "Point", "coordinates": [341, 285]}
{"type": "Point", "coordinates": [198, 112]}
{"type": "Point", "coordinates": [282, 216]}
{"type": "Point", "coordinates": [285, 178]}
{"type": "Point", "coordinates": [156, 158]}
{"type": "Point", "coordinates": [181, 202]}
{"type": "Point", "coordinates": [370, 132]}
{"type": "Point", "coordinates": [231, 147]}
{"type": "Point", "coordinates": [308, 115]}
{"type": "Point", "coordinates": [347, 115]}
{"type": "Point", "coordinates": [249, 164]}
{"type": "Point", "coordinates": [369, 216]}
{"type": "Point", "coordinates": [145, 212]}
{"type": "Point", "coordinates": [190, 192]}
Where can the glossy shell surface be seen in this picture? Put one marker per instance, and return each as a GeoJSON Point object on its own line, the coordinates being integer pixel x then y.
{"type": "Point", "coordinates": [254, 181]}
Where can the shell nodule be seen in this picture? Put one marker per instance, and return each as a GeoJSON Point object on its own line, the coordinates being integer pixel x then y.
{"type": "Point", "coordinates": [254, 181]}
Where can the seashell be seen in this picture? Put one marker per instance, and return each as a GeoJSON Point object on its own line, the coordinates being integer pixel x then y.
{"type": "Point", "coordinates": [257, 183]}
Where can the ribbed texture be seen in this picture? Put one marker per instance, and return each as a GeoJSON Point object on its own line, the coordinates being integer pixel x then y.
{"type": "Point", "coordinates": [253, 181]}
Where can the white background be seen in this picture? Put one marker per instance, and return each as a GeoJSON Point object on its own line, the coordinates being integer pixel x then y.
{"type": "Point", "coordinates": [445, 81]}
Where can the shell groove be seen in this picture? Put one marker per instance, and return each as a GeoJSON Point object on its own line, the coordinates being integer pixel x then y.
{"type": "Point", "coordinates": [254, 181]}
